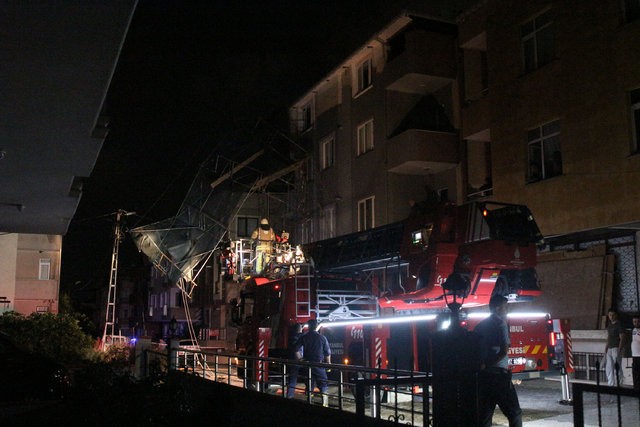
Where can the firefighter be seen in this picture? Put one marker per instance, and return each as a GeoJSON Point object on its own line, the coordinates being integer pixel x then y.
{"type": "Point", "coordinates": [495, 379]}
{"type": "Point", "coordinates": [264, 237]}
{"type": "Point", "coordinates": [316, 349]}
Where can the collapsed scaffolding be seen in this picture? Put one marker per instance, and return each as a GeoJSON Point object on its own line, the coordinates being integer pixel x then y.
{"type": "Point", "coordinates": [180, 246]}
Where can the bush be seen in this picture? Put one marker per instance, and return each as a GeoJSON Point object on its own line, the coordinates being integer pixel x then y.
{"type": "Point", "coordinates": [55, 336]}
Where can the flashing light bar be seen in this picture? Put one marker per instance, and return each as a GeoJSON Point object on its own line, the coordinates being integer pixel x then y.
{"type": "Point", "coordinates": [516, 315]}
{"type": "Point", "coordinates": [378, 320]}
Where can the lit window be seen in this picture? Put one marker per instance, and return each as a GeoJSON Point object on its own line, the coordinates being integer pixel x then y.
{"type": "Point", "coordinates": [364, 75]}
{"type": "Point", "coordinates": [538, 45]}
{"type": "Point", "coordinates": [366, 213]}
{"type": "Point", "coordinates": [635, 118]}
{"type": "Point", "coordinates": [327, 154]}
{"type": "Point", "coordinates": [631, 10]}
{"type": "Point", "coordinates": [545, 157]}
{"type": "Point", "coordinates": [365, 137]}
{"type": "Point", "coordinates": [44, 271]}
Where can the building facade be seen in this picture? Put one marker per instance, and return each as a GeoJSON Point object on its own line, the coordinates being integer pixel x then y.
{"type": "Point", "coordinates": [30, 273]}
{"type": "Point", "coordinates": [537, 105]}
{"type": "Point", "coordinates": [550, 110]}
{"type": "Point", "coordinates": [382, 128]}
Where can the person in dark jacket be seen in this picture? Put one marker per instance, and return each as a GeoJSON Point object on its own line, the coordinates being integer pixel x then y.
{"type": "Point", "coordinates": [316, 349]}
{"type": "Point", "coordinates": [495, 386]}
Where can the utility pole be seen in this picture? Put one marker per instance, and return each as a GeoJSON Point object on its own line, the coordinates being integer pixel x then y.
{"type": "Point", "coordinates": [110, 316]}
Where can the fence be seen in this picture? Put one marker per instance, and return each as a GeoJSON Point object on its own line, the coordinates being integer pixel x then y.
{"type": "Point", "coordinates": [587, 367]}
{"type": "Point", "coordinates": [399, 396]}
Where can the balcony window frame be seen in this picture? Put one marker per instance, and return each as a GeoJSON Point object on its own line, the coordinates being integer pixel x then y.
{"type": "Point", "coordinates": [327, 152]}
{"type": "Point", "coordinates": [44, 269]}
{"type": "Point", "coordinates": [364, 137]}
{"type": "Point", "coordinates": [366, 213]}
{"type": "Point", "coordinates": [328, 222]}
{"type": "Point", "coordinates": [538, 42]}
{"type": "Point", "coordinates": [364, 75]}
{"type": "Point", "coordinates": [247, 223]}
{"type": "Point", "coordinates": [543, 143]}
{"type": "Point", "coordinates": [307, 116]}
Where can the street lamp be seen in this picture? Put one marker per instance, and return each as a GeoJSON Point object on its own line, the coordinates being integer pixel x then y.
{"type": "Point", "coordinates": [455, 361]}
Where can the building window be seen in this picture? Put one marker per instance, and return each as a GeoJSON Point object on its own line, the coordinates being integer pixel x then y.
{"type": "Point", "coordinates": [365, 137]}
{"type": "Point", "coordinates": [545, 157]}
{"type": "Point", "coordinates": [246, 225]}
{"type": "Point", "coordinates": [328, 223]}
{"type": "Point", "coordinates": [328, 152]}
{"type": "Point", "coordinates": [631, 10]}
{"type": "Point", "coordinates": [538, 46]}
{"type": "Point", "coordinates": [635, 118]}
{"type": "Point", "coordinates": [307, 117]}
{"type": "Point", "coordinates": [304, 231]}
{"type": "Point", "coordinates": [366, 213]}
{"type": "Point", "coordinates": [364, 75]}
{"type": "Point", "coordinates": [44, 270]}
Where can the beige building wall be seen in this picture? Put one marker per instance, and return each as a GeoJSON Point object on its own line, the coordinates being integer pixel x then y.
{"type": "Point", "coordinates": [8, 254]}
{"type": "Point", "coordinates": [585, 87]}
{"type": "Point", "coordinates": [30, 272]}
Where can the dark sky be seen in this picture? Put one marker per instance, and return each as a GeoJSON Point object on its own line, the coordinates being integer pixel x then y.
{"type": "Point", "coordinates": [193, 74]}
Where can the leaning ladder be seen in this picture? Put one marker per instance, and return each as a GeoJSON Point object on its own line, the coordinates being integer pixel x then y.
{"type": "Point", "coordinates": [110, 315]}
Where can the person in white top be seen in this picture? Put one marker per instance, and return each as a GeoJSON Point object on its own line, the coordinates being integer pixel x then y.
{"type": "Point", "coordinates": [635, 351]}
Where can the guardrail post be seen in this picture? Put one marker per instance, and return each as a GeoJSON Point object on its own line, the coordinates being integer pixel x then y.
{"type": "Point", "coordinates": [374, 402]}
{"type": "Point", "coordinates": [359, 398]}
{"type": "Point", "coordinates": [309, 382]}
{"type": "Point", "coordinates": [566, 390]}
{"type": "Point", "coordinates": [578, 410]}
{"type": "Point", "coordinates": [244, 377]}
{"type": "Point", "coordinates": [340, 391]}
{"type": "Point", "coordinates": [284, 380]}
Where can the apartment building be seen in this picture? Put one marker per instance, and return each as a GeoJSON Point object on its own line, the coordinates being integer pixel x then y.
{"type": "Point", "coordinates": [382, 127]}
{"type": "Point", "coordinates": [29, 273]}
{"type": "Point", "coordinates": [537, 104]}
{"type": "Point", "coordinates": [551, 112]}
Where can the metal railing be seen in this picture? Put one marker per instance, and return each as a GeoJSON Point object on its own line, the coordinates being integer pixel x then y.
{"type": "Point", "coordinates": [587, 367]}
{"type": "Point", "coordinates": [396, 395]}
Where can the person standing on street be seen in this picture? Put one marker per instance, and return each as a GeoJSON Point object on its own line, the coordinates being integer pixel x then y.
{"type": "Point", "coordinates": [495, 386]}
{"type": "Point", "coordinates": [613, 349]}
{"type": "Point", "coordinates": [635, 351]}
{"type": "Point", "coordinates": [316, 349]}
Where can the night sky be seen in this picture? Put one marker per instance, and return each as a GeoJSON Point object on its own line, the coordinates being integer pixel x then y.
{"type": "Point", "coordinates": [194, 78]}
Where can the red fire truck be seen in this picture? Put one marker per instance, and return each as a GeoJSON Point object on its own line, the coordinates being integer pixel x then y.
{"type": "Point", "coordinates": [379, 292]}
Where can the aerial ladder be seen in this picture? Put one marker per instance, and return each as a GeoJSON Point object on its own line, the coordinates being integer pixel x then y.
{"type": "Point", "coordinates": [108, 336]}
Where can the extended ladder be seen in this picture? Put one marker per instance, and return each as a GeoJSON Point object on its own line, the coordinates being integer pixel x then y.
{"type": "Point", "coordinates": [110, 315]}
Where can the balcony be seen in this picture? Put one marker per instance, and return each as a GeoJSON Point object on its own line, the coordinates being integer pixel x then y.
{"type": "Point", "coordinates": [422, 152]}
{"type": "Point", "coordinates": [476, 119]}
{"type": "Point", "coordinates": [414, 72]}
